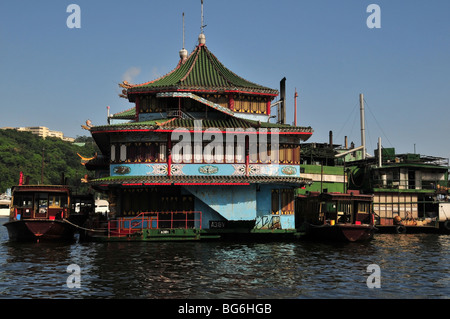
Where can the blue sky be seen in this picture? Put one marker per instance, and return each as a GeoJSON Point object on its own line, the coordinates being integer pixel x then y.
{"type": "Point", "coordinates": [58, 77]}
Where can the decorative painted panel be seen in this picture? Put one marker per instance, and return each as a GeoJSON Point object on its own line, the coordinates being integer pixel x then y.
{"type": "Point", "coordinates": [138, 169]}
{"type": "Point", "coordinates": [143, 169]}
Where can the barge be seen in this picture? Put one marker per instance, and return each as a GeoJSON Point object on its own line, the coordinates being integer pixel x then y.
{"type": "Point", "coordinates": [334, 217]}
{"type": "Point", "coordinates": [39, 213]}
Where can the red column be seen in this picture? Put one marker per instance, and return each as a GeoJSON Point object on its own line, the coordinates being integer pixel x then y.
{"type": "Point", "coordinates": [169, 155]}
{"type": "Point", "coordinates": [136, 118]}
{"type": "Point", "coordinates": [231, 101]}
{"type": "Point", "coordinates": [247, 157]}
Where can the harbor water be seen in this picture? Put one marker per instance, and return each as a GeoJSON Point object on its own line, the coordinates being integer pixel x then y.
{"type": "Point", "coordinates": [406, 266]}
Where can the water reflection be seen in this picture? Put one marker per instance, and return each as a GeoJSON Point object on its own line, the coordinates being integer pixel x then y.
{"type": "Point", "coordinates": [412, 266]}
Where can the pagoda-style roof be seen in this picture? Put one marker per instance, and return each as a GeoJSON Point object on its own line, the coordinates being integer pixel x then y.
{"type": "Point", "coordinates": [201, 71]}
{"type": "Point", "coordinates": [129, 114]}
{"type": "Point", "coordinates": [163, 125]}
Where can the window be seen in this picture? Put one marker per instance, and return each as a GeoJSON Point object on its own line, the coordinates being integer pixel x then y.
{"type": "Point", "coordinates": [54, 201]}
{"type": "Point", "coordinates": [41, 201]}
{"type": "Point", "coordinates": [23, 201]}
{"type": "Point", "coordinates": [123, 153]}
{"type": "Point", "coordinates": [287, 201]}
{"type": "Point", "coordinates": [275, 201]}
{"type": "Point", "coordinates": [286, 198]}
{"type": "Point", "coordinates": [162, 152]}
{"type": "Point", "coordinates": [140, 152]}
{"type": "Point", "coordinates": [113, 153]}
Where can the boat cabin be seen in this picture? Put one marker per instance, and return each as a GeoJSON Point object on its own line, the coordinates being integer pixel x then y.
{"type": "Point", "coordinates": [40, 202]}
{"type": "Point", "coordinates": [334, 208]}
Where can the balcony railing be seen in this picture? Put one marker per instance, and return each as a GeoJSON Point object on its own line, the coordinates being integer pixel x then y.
{"type": "Point", "coordinates": [124, 226]}
{"type": "Point", "coordinates": [403, 184]}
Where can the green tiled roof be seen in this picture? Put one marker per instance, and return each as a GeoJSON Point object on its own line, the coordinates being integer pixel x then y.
{"type": "Point", "coordinates": [201, 71]}
{"type": "Point", "coordinates": [125, 115]}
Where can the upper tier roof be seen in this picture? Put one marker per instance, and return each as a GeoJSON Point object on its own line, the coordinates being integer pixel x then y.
{"type": "Point", "coordinates": [200, 71]}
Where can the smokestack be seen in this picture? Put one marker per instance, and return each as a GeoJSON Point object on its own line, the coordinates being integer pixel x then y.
{"type": "Point", "coordinates": [346, 143]}
{"type": "Point", "coordinates": [282, 118]}
{"type": "Point", "coordinates": [331, 139]}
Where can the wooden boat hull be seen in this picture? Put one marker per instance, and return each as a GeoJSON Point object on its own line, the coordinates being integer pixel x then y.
{"type": "Point", "coordinates": [340, 232]}
{"type": "Point", "coordinates": [39, 230]}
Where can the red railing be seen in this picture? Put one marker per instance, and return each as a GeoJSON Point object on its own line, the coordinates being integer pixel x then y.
{"type": "Point", "coordinates": [123, 226]}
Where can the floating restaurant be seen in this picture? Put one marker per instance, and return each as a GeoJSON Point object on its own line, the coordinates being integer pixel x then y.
{"type": "Point", "coordinates": [196, 156]}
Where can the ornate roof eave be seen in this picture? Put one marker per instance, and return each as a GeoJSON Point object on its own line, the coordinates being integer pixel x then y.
{"type": "Point", "coordinates": [218, 90]}
{"type": "Point", "coordinates": [129, 114]}
{"type": "Point", "coordinates": [162, 125]}
{"type": "Point", "coordinates": [197, 180]}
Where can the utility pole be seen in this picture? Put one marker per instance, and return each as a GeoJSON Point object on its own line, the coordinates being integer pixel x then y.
{"type": "Point", "coordinates": [42, 167]}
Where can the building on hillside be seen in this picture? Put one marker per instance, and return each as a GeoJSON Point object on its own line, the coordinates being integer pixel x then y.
{"type": "Point", "coordinates": [42, 131]}
{"type": "Point", "coordinates": [197, 151]}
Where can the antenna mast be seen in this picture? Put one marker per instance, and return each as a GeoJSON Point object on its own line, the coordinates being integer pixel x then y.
{"type": "Point", "coordinates": [183, 52]}
{"type": "Point", "coordinates": [201, 37]}
{"type": "Point", "coordinates": [183, 30]}
{"type": "Point", "coordinates": [202, 25]}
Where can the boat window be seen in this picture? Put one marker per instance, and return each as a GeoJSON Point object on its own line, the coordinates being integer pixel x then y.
{"type": "Point", "coordinates": [56, 200]}
{"type": "Point", "coordinates": [41, 200]}
{"type": "Point", "coordinates": [364, 208]}
{"type": "Point", "coordinates": [329, 207]}
{"type": "Point", "coordinates": [23, 200]}
{"type": "Point", "coordinates": [345, 207]}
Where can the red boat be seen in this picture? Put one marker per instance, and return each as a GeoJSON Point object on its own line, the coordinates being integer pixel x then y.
{"type": "Point", "coordinates": [335, 216]}
{"type": "Point", "coordinates": [39, 212]}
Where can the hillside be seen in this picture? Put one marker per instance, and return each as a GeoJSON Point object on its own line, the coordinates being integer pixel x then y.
{"type": "Point", "coordinates": [22, 151]}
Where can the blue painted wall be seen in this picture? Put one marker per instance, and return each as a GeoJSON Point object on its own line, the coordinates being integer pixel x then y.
{"type": "Point", "coordinates": [236, 203]}
{"type": "Point", "coordinates": [231, 202]}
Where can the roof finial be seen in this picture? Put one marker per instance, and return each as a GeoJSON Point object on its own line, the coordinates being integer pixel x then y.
{"type": "Point", "coordinates": [201, 37]}
{"type": "Point", "coordinates": [183, 52]}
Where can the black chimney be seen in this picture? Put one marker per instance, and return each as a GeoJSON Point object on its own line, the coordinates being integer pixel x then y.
{"type": "Point", "coordinates": [282, 118]}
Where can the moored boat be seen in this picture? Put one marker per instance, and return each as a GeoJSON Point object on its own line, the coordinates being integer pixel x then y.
{"type": "Point", "coordinates": [335, 216]}
{"type": "Point", "coordinates": [39, 212]}
{"type": "Point", "coordinates": [5, 204]}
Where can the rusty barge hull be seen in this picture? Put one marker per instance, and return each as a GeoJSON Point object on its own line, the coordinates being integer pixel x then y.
{"type": "Point", "coordinates": [340, 232]}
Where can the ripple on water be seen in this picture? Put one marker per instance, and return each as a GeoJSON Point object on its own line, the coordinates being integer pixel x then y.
{"type": "Point", "coordinates": [412, 266]}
